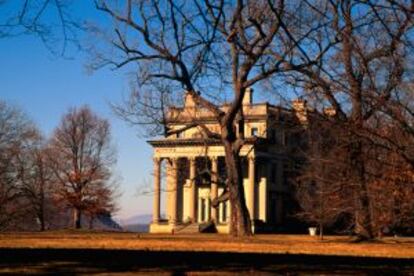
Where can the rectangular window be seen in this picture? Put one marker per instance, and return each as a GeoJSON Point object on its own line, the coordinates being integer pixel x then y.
{"type": "Point", "coordinates": [180, 134]}
{"type": "Point", "coordinates": [254, 131]}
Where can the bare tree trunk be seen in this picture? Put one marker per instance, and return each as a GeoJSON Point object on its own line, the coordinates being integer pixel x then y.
{"type": "Point", "coordinates": [363, 220]}
{"type": "Point", "coordinates": [41, 218]}
{"type": "Point", "coordinates": [240, 222]}
{"type": "Point", "coordinates": [77, 216]}
{"type": "Point", "coordinates": [42, 207]}
{"type": "Point", "coordinates": [42, 226]}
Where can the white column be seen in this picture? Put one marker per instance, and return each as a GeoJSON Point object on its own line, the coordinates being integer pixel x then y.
{"type": "Point", "coordinates": [192, 197]}
{"type": "Point", "coordinates": [174, 187]}
{"type": "Point", "coordinates": [228, 211]}
{"type": "Point", "coordinates": [220, 215]}
{"type": "Point", "coordinates": [199, 210]}
{"type": "Point", "coordinates": [207, 210]}
{"type": "Point", "coordinates": [157, 191]}
{"type": "Point", "coordinates": [214, 187]}
{"type": "Point", "coordinates": [251, 188]}
{"type": "Point", "coordinates": [263, 191]}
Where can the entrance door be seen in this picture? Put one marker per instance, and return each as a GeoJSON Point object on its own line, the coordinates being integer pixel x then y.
{"type": "Point", "coordinates": [204, 209]}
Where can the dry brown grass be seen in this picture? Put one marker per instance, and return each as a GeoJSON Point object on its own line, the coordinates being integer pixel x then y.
{"type": "Point", "coordinates": [291, 244]}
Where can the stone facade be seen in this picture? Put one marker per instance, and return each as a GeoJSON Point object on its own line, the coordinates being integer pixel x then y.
{"type": "Point", "coordinates": [191, 170]}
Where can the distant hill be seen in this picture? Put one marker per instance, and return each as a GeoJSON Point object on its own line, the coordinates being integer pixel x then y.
{"type": "Point", "coordinates": [138, 219]}
{"type": "Point", "coordinates": [138, 223]}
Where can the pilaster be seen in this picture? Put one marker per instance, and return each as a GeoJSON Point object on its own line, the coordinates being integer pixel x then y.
{"type": "Point", "coordinates": [250, 195]}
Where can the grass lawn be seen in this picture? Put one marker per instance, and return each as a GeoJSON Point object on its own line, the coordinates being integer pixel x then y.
{"type": "Point", "coordinates": [275, 244]}
{"type": "Point", "coordinates": [85, 252]}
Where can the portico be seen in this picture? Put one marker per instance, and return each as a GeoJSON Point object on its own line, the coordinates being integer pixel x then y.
{"type": "Point", "coordinates": [193, 181]}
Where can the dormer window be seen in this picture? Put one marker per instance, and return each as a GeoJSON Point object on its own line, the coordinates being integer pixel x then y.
{"type": "Point", "coordinates": [254, 131]}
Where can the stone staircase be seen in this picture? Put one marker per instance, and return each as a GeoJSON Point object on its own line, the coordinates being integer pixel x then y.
{"type": "Point", "coordinates": [189, 228]}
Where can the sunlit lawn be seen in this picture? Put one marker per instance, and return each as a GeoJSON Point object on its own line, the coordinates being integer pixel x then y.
{"type": "Point", "coordinates": [292, 244]}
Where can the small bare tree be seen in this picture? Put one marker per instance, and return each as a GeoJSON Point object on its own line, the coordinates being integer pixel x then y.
{"type": "Point", "coordinates": [82, 159]}
{"type": "Point", "coordinates": [320, 187]}
{"type": "Point", "coordinates": [37, 185]}
{"type": "Point", "coordinates": [16, 135]}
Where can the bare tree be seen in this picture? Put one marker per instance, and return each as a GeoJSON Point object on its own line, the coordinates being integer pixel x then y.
{"type": "Point", "coordinates": [148, 108]}
{"type": "Point", "coordinates": [390, 183]}
{"type": "Point", "coordinates": [82, 159]}
{"type": "Point", "coordinates": [37, 184]}
{"type": "Point", "coordinates": [398, 118]}
{"type": "Point", "coordinates": [358, 78]}
{"type": "Point", "coordinates": [213, 50]}
{"type": "Point", "coordinates": [16, 134]}
{"type": "Point", "coordinates": [321, 184]}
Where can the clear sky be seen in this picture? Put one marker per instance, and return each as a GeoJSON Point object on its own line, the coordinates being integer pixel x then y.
{"type": "Point", "coordinates": [45, 86]}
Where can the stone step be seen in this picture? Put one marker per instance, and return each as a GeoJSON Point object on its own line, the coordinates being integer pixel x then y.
{"type": "Point", "coordinates": [188, 228]}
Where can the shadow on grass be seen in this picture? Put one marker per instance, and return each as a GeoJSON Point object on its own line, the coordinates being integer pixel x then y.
{"type": "Point", "coordinates": [91, 261]}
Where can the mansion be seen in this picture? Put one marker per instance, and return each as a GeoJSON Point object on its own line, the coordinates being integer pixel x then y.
{"type": "Point", "coordinates": [189, 168]}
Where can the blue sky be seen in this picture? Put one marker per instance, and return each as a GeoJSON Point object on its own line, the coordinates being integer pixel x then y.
{"type": "Point", "coordinates": [45, 86]}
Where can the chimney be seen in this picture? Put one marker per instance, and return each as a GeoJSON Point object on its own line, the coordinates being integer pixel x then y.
{"type": "Point", "coordinates": [248, 96]}
{"type": "Point", "coordinates": [299, 106]}
{"type": "Point", "coordinates": [189, 100]}
{"type": "Point", "coordinates": [329, 111]}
